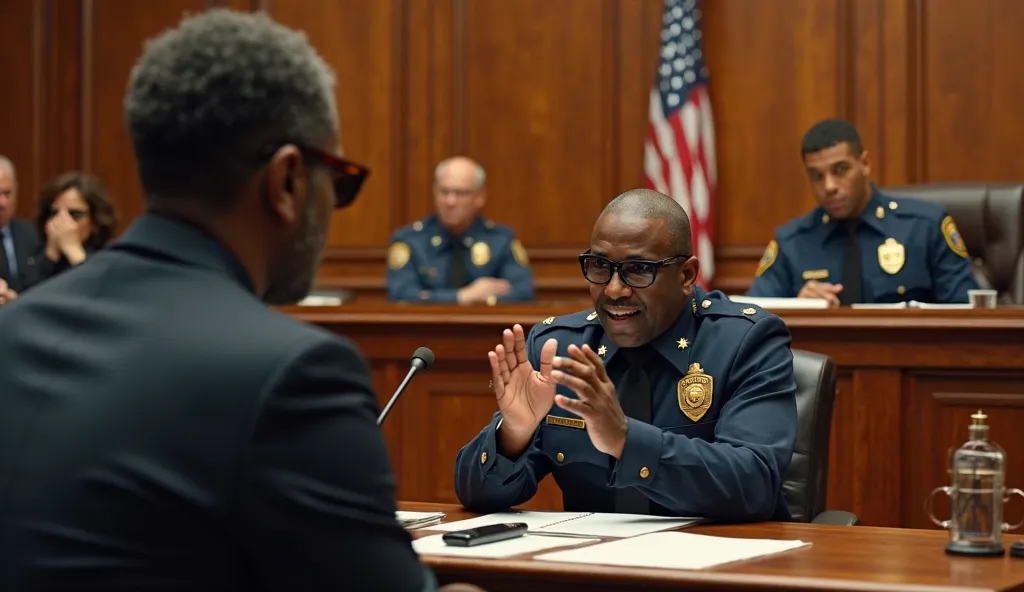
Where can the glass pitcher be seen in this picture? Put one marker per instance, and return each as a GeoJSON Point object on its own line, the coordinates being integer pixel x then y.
{"type": "Point", "coordinates": [977, 493]}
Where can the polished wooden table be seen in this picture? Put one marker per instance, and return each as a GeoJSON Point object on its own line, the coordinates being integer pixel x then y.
{"type": "Point", "coordinates": [840, 558]}
{"type": "Point", "coordinates": [908, 382]}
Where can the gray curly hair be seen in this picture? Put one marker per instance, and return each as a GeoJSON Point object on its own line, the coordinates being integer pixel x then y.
{"type": "Point", "coordinates": [205, 96]}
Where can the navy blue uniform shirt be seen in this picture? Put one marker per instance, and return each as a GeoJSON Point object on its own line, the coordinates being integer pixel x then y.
{"type": "Point", "coordinates": [420, 254]}
{"type": "Point", "coordinates": [723, 414]}
{"type": "Point", "coordinates": [910, 250]}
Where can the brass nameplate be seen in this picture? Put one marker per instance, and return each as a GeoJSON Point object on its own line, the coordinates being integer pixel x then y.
{"type": "Point", "coordinates": [815, 274]}
{"type": "Point", "coordinates": [566, 422]}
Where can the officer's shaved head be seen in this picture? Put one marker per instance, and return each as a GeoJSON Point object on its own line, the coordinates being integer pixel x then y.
{"type": "Point", "coordinates": [648, 204]}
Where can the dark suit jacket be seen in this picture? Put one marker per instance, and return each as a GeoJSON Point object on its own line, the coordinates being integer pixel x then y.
{"type": "Point", "coordinates": [39, 268]}
{"type": "Point", "coordinates": [26, 243]}
{"type": "Point", "coordinates": [162, 429]}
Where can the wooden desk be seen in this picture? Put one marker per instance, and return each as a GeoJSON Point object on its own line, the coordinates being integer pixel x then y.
{"type": "Point", "coordinates": [839, 558]}
{"type": "Point", "coordinates": [908, 382]}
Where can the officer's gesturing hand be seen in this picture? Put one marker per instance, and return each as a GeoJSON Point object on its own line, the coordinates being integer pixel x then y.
{"type": "Point", "coordinates": [524, 395]}
{"type": "Point", "coordinates": [583, 372]}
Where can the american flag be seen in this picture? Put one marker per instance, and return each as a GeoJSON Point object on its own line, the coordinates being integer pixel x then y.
{"type": "Point", "coordinates": [679, 155]}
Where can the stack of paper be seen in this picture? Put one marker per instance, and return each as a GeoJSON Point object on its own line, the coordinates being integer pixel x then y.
{"type": "Point", "coordinates": [435, 545]}
{"type": "Point", "coordinates": [583, 524]}
{"type": "Point", "coordinates": [672, 550]}
{"type": "Point", "coordinates": [413, 520]}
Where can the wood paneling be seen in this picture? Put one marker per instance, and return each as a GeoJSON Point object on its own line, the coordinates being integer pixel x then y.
{"type": "Point", "coordinates": [551, 97]}
{"type": "Point", "coordinates": [907, 385]}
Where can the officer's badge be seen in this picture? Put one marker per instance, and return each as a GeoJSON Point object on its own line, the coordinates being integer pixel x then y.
{"type": "Point", "coordinates": [953, 238]}
{"type": "Point", "coordinates": [519, 253]}
{"type": "Point", "coordinates": [480, 254]}
{"type": "Point", "coordinates": [398, 255]}
{"type": "Point", "coordinates": [891, 256]}
{"type": "Point", "coordinates": [695, 392]}
{"type": "Point", "coordinates": [770, 253]}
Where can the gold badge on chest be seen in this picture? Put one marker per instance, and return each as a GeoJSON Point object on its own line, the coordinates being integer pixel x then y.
{"type": "Point", "coordinates": [891, 256]}
{"type": "Point", "coordinates": [480, 253]}
{"type": "Point", "coordinates": [695, 392]}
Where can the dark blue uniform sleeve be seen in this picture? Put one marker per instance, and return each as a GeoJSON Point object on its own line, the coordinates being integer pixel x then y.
{"type": "Point", "coordinates": [516, 269]}
{"type": "Point", "coordinates": [738, 477]}
{"type": "Point", "coordinates": [951, 265]}
{"type": "Point", "coordinates": [771, 280]}
{"type": "Point", "coordinates": [488, 481]}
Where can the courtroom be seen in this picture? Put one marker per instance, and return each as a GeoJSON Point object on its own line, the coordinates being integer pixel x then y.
{"type": "Point", "coordinates": [481, 296]}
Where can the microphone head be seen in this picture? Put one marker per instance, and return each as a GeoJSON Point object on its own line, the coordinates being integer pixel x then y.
{"type": "Point", "coordinates": [425, 355]}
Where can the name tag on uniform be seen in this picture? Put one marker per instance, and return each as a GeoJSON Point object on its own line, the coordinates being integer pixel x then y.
{"type": "Point", "coordinates": [566, 422]}
{"type": "Point", "coordinates": [815, 274]}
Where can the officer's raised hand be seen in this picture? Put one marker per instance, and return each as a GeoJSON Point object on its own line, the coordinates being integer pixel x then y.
{"type": "Point", "coordinates": [524, 395]}
{"type": "Point", "coordinates": [583, 372]}
{"type": "Point", "coordinates": [825, 290]}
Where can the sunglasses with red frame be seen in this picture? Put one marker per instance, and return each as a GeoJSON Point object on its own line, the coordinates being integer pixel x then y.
{"type": "Point", "coordinates": [348, 176]}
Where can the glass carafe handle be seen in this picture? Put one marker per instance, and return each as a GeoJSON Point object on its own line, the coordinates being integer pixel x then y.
{"type": "Point", "coordinates": [1006, 498]}
{"type": "Point", "coordinates": [928, 505]}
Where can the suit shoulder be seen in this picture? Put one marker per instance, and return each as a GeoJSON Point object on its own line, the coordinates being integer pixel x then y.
{"type": "Point", "coordinates": [908, 207]}
{"type": "Point", "coordinates": [717, 306]}
{"type": "Point", "coordinates": [573, 323]}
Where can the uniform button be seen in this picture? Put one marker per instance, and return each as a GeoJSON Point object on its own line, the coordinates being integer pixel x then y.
{"type": "Point", "coordinates": [644, 473]}
{"type": "Point", "coordinates": [560, 457]}
{"type": "Point", "coordinates": [483, 457]}
{"type": "Point", "coordinates": [706, 304]}
{"type": "Point", "coordinates": [900, 290]}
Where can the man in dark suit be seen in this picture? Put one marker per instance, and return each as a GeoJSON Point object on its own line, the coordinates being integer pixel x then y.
{"type": "Point", "coordinates": [18, 239]}
{"type": "Point", "coordinates": [160, 427]}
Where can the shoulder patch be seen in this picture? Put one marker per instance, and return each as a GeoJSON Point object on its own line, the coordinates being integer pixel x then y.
{"type": "Point", "coordinates": [519, 253]}
{"type": "Point", "coordinates": [398, 255]}
{"type": "Point", "coordinates": [953, 238]}
{"type": "Point", "coordinates": [771, 252]}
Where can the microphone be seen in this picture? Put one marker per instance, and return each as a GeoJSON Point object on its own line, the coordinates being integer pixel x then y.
{"type": "Point", "coordinates": [422, 359]}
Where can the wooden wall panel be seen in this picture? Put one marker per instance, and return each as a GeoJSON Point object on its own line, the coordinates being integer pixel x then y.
{"type": "Point", "coordinates": [971, 89]}
{"type": "Point", "coordinates": [21, 48]}
{"type": "Point", "coordinates": [552, 98]}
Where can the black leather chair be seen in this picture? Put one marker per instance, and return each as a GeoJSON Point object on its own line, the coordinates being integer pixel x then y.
{"type": "Point", "coordinates": [990, 217]}
{"type": "Point", "coordinates": [806, 482]}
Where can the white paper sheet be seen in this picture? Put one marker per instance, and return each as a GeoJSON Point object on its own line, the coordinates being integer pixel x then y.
{"type": "Point", "coordinates": [414, 520]}
{"type": "Point", "coordinates": [434, 545]}
{"type": "Point", "coordinates": [772, 303]}
{"type": "Point", "coordinates": [672, 550]}
{"type": "Point", "coordinates": [576, 523]}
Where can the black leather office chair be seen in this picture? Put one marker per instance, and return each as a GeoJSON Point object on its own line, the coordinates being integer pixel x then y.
{"type": "Point", "coordinates": [806, 482]}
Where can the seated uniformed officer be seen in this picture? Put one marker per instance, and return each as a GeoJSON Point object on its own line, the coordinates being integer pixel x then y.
{"type": "Point", "coordinates": [456, 255]}
{"type": "Point", "coordinates": [662, 399]}
{"type": "Point", "coordinates": [859, 246]}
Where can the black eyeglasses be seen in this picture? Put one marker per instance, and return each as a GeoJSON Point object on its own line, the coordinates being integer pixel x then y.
{"type": "Point", "coordinates": [635, 273]}
{"type": "Point", "coordinates": [348, 176]}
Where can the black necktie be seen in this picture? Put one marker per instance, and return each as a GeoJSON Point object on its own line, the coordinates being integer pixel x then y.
{"type": "Point", "coordinates": [635, 399]}
{"type": "Point", "coordinates": [458, 274]}
{"type": "Point", "coordinates": [853, 283]}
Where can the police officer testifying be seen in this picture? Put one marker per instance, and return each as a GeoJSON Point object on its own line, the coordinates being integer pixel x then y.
{"type": "Point", "coordinates": [860, 246]}
{"type": "Point", "coordinates": [661, 400]}
{"type": "Point", "coordinates": [455, 255]}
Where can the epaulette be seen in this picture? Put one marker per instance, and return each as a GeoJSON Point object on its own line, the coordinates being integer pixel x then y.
{"type": "Point", "coordinates": [576, 320]}
{"type": "Point", "coordinates": [906, 207]}
{"type": "Point", "coordinates": [723, 307]}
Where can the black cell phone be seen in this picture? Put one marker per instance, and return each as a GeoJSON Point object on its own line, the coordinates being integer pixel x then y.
{"type": "Point", "coordinates": [485, 534]}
